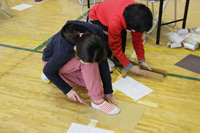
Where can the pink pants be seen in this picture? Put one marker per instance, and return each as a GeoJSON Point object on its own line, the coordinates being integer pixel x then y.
{"type": "Point", "coordinates": [85, 75]}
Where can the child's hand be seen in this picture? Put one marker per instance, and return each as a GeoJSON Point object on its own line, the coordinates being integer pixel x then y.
{"type": "Point", "coordinates": [110, 98]}
{"type": "Point", "coordinates": [146, 65]}
{"type": "Point", "coordinates": [72, 95]}
{"type": "Point", "coordinates": [137, 70]}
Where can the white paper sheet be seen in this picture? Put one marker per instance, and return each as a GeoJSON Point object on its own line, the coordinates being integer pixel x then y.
{"type": "Point", "coordinates": [132, 88]}
{"type": "Point", "coordinates": [78, 128]}
{"type": "Point", "coordinates": [22, 7]}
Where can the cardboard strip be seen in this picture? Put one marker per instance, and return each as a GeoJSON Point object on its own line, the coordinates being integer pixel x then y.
{"type": "Point", "coordinates": [163, 72]}
{"type": "Point", "coordinates": [154, 75]}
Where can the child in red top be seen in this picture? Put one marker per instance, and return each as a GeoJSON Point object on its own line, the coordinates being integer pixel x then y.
{"type": "Point", "coordinates": [115, 17]}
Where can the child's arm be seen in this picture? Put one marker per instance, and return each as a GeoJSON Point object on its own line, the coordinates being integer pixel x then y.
{"type": "Point", "coordinates": [52, 68]}
{"type": "Point", "coordinates": [105, 77]}
{"type": "Point", "coordinates": [48, 51]}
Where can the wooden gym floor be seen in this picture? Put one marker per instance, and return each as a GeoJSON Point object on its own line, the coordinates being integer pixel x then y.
{"type": "Point", "coordinates": [28, 105]}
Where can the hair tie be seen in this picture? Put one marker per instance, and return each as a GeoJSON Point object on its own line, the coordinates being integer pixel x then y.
{"type": "Point", "coordinates": [80, 34]}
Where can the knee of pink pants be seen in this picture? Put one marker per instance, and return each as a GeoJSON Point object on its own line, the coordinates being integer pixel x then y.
{"type": "Point", "coordinates": [88, 76]}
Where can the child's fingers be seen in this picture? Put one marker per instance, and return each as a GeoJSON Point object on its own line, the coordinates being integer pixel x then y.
{"type": "Point", "coordinates": [114, 101]}
{"type": "Point", "coordinates": [78, 99]}
{"type": "Point", "coordinates": [148, 67]}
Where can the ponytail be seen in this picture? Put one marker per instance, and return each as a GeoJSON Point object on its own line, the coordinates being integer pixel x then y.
{"type": "Point", "coordinates": [72, 32]}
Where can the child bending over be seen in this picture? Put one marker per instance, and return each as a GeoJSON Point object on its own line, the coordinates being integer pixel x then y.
{"type": "Point", "coordinates": [76, 55]}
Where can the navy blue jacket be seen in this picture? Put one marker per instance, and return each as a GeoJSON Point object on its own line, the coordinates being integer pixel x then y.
{"type": "Point", "coordinates": [59, 51]}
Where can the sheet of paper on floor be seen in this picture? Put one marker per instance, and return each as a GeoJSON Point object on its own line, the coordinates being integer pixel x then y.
{"type": "Point", "coordinates": [22, 7]}
{"type": "Point", "coordinates": [78, 128]}
{"type": "Point", "coordinates": [132, 88]}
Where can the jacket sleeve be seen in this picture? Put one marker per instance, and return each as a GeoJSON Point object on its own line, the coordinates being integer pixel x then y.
{"type": "Point", "coordinates": [48, 51]}
{"type": "Point", "coordinates": [115, 40]}
{"type": "Point", "coordinates": [105, 77]}
{"type": "Point", "coordinates": [51, 70]}
{"type": "Point", "coordinates": [138, 45]}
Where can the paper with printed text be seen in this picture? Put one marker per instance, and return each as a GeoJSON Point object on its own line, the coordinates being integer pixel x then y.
{"type": "Point", "coordinates": [132, 88]}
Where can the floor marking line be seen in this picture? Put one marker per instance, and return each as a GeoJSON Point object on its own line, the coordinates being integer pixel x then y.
{"type": "Point", "coordinates": [43, 44]}
{"type": "Point", "coordinates": [83, 15]}
{"type": "Point", "coordinates": [174, 50]}
{"type": "Point", "coordinates": [23, 38]}
{"type": "Point", "coordinates": [20, 40]}
{"type": "Point", "coordinates": [184, 77]}
{"type": "Point", "coordinates": [19, 48]}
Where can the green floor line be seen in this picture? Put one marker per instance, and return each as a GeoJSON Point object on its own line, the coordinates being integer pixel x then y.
{"type": "Point", "coordinates": [42, 45]}
{"type": "Point", "coordinates": [83, 15]}
{"type": "Point", "coordinates": [19, 48]}
{"type": "Point", "coordinates": [184, 77]}
{"type": "Point", "coordinates": [169, 74]}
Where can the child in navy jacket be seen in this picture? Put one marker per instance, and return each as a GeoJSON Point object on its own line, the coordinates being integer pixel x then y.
{"type": "Point", "coordinates": [76, 55]}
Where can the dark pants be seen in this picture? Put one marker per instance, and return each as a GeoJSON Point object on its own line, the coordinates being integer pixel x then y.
{"type": "Point", "coordinates": [105, 28]}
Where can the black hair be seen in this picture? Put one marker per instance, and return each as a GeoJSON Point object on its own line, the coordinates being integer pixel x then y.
{"type": "Point", "coordinates": [89, 46]}
{"type": "Point", "coordinates": [71, 32]}
{"type": "Point", "coordinates": [138, 17]}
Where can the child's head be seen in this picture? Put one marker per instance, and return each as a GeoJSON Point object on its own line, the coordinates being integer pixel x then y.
{"type": "Point", "coordinates": [89, 46]}
{"type": "Point", "coordinates": [138, 17]}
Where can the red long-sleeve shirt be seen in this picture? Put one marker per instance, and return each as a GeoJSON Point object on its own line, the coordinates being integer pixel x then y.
{"type": "Point", "coordinates": [110, 14]}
